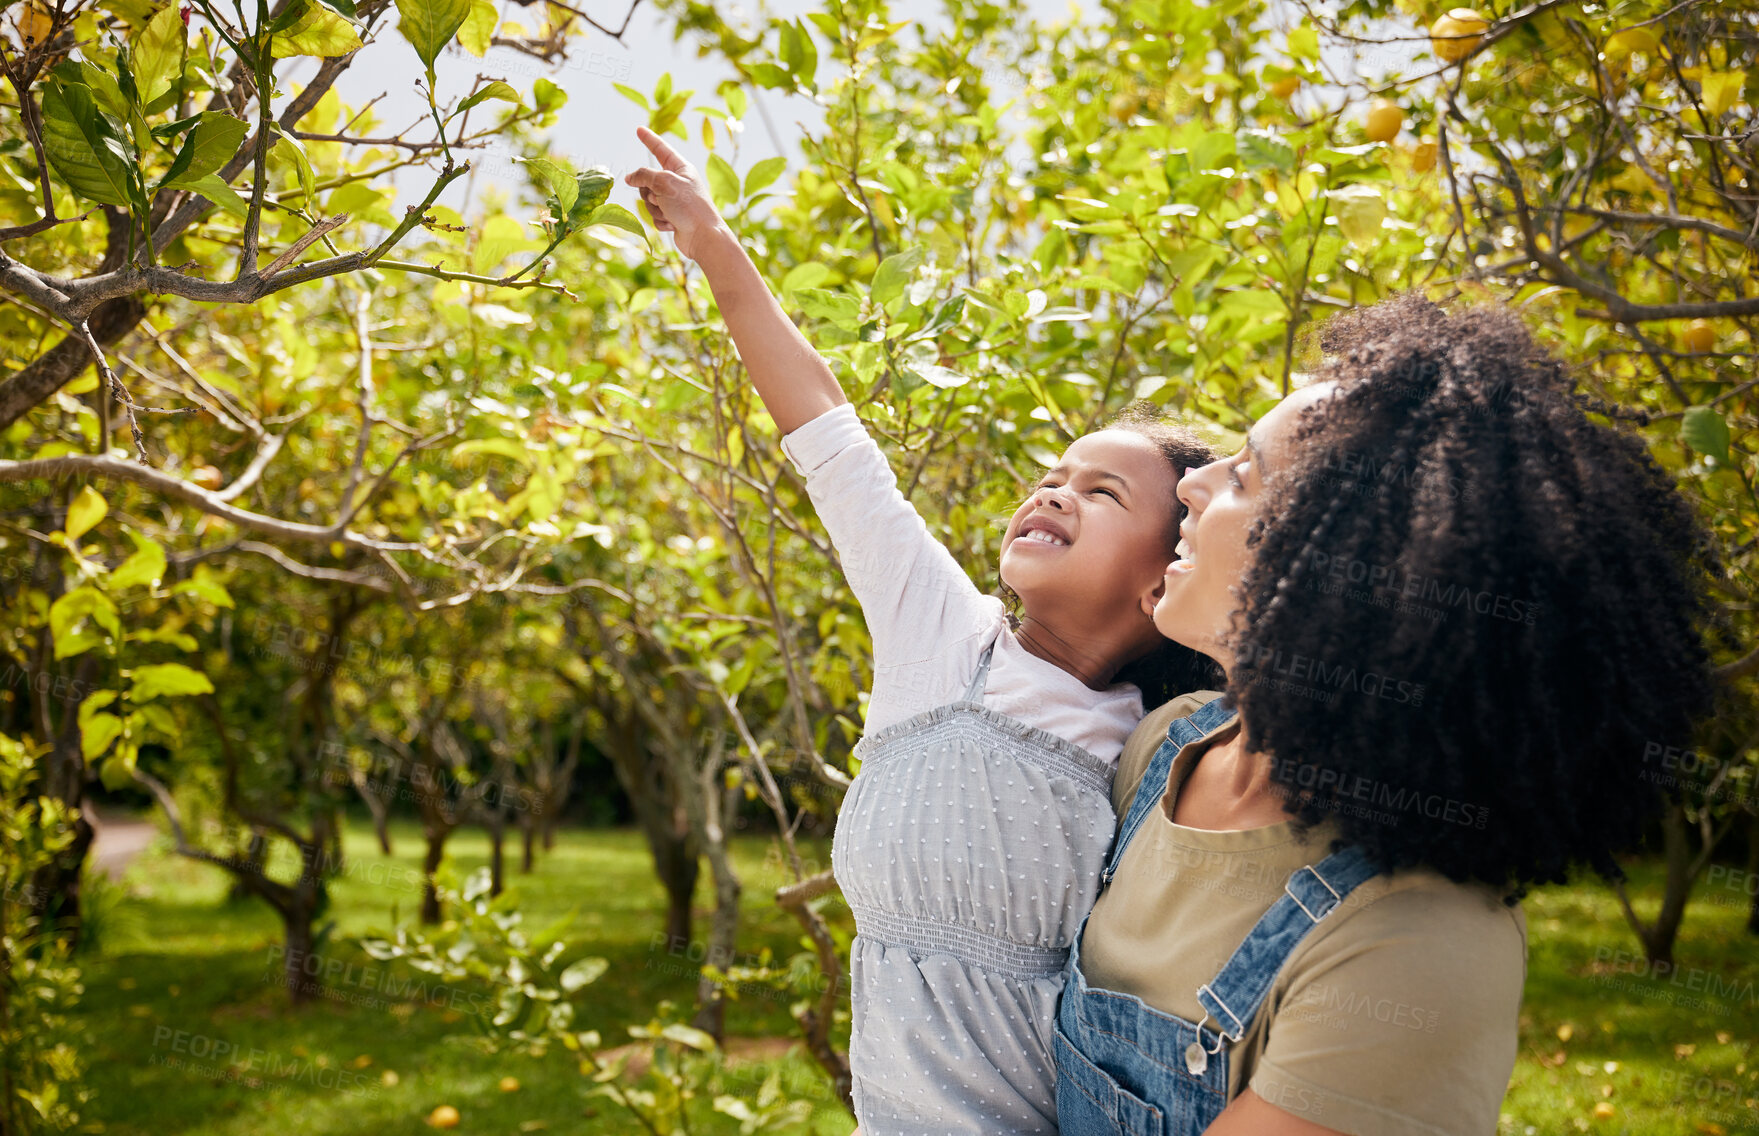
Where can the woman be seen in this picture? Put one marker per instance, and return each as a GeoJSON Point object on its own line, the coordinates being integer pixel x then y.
{"type": "Point", "coordinates": [1454, 614]}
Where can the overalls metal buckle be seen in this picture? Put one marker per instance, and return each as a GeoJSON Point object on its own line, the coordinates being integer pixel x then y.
{"type": "Point", "coordinates": [1290, 892]}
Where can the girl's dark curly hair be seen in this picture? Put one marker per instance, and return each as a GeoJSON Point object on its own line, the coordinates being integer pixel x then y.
{"type": "Point", "coordinates": [1472, 618]}
{"type": "Point", "coordinates": [1171, 669]}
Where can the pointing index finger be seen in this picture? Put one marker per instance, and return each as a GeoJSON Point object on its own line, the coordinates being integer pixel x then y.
{"type": "Point", "coordinates": [669, 158]}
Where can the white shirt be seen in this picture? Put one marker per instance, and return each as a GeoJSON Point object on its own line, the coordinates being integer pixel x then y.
{"type": "Point", "coordinates": [928, 621]}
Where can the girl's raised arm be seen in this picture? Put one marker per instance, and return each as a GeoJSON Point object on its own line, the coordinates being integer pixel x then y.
{"type": "Point", "coordinates": [793, 380]}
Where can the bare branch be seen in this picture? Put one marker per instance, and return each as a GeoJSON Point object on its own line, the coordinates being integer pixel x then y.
{"type": "Point", "coordinates": [104, 468]}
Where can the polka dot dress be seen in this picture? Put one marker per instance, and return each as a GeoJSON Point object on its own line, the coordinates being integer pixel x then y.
{"type": "Point", "coordinates": [969, 848]}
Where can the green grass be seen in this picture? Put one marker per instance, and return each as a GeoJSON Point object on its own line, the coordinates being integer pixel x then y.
{"type": "Point", "coordinates": [179, 970]}
{"type": "Point", "coordinates": [176, 962]}
{"type": "Point", "coordinates": [1675, 1050]}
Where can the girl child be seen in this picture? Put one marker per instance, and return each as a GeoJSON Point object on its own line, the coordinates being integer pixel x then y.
{"type": "Point", "coordinates": [970, 844]}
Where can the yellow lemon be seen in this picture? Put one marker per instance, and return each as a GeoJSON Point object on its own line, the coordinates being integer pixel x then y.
{"type": "Point", "coordinates": [1453, 36]}
{"type": "Point", "coordinates": [1620, 46]}
{"type": "Point", "coordinates": [1424, 155]}
{"type": "Point", "coordinates": [1700, 336]}
{"type": "Point", "coordinates": [1384, 120]}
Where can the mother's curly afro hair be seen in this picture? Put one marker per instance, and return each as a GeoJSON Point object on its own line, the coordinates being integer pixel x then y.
{"type": "Point", "coordinates": [1473, 615]}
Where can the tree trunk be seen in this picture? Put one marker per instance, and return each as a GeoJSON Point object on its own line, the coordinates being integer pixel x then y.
{"type": "Point", "coordinates": [1659, 936]}
{"type": "Point", "coordinates": [711, 1010]}
{"type": "Point", "coordinates": [527, 837]}
{"type": "Point", "coordinates": [57, 883]}
{"type": "Point", "coordinates": [9, 1099]}
{"type": "Point", "coordinates": [1752, 874]}
{"type": "Point", "coordinates": [677, 865]}
{"type": "Point", "coordinates": [497, 862]}
{"type": "Point", "coordinates": [302, 986]}
{"type": "Point", "coordinates": [430, 898]}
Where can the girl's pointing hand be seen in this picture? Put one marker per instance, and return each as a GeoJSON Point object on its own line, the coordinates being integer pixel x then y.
{"type": "Point", "coordinates": [676, 195]}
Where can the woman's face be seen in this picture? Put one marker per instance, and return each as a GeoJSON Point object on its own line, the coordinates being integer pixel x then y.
{"type": "Point", "coordinates": [1224, 498]}
{"type": "Point", "coordinates": [1092, 539]}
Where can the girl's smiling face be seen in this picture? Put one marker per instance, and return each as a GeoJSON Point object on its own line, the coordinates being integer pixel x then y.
{"type": "Point", "coordinates": [1224, 498]}
{"type": "Point", "coordinates": [1092, 540]}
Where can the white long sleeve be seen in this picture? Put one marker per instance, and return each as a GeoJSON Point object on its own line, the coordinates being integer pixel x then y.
{"type": "Point", "coordinates": [928, 621]}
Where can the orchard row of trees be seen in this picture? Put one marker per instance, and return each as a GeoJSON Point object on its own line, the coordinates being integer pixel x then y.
{"type": "Point", "coordinates": [311, 495]}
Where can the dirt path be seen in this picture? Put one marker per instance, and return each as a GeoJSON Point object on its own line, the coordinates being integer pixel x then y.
{"type": "Point", "coordinates": [117, 843]}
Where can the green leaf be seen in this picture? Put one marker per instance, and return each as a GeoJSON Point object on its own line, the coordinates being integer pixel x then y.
{"type": "Point", "coordinates": [85, 145]}
{"type": "Point", "coordinates": [167, 132]}
{"type": "Point", "coordinates": [839, 308]}
{"type": "Point", "coordinates": [501, 237]}
{"type": "Point", "coordinates": [158, 53]}
{"type": "Point", "coordinates": [808, 274]}
{"type": "Point", "coordinates": [145, 566]}
{"type": "Point", "coordinates": [1707, 432]}
{"type": "Point", "coordinates": [769, 76]}
{"type": "Point", "coordinates": [96, 733]}
{"type": "Point", "coordinates": [764, 173]}
{"type": "Point", "coordinates": [294, 152]}
{"type": "Point", "coordinates": [545, 95]}
{"type": "Point", "coordinates": [289, 15]}
{"type": "Point", "coordinates": [722, 181]}
{"type": "Point", "coordinates": [559, 179]}
{"type": "Point", "coordinates": [669, 112]}
{"type": "Point", "coordinates": [494, 90]}
{"type": "Point", "coordinates": [202, 583]}
{"type": "Point", "coordinates": [94, 702]}
{"type": "Point", "coordinates": [1260, 148]}
{"type": "Point", "coordinates": [429, 25]}
{"type": "Point", "coordinates": [583, 973]}
{"type": "Point", "coordinates": [217, 191]}
{"type": "Point", "coordinates": [894, 273]}
{"type": "Point", "coordinates": [501, 447]}
{"type": "Point", "coordinates": [478, 29]}
{"type": "Point", "coordinates": [633, 96]}
{"type": "Point", "coordinates": [214, 140]}
{"type": "Point", "coordinates": [104, 84]}
{"type": "Point", "coordinates": [319, 32]}
{"type": "Point", "coordinates": [118, 769]}
{"type": "Point", "coordinates": [169, 679]}
{"type": "Point", "coordinates": [797, 52]}
{"type": "Point", "coordinates": [689, 1035]}
{"type": "Point", "coordinates": [592, 188]}
{"type": "Point", "coordinates": [936, 375]}
{"type": "Point", "coordinates": [86, 510]}
{"type": "Point", "coordinates": [68, 612]}
{"type": "Point", "coordinates": [734, 96]}
{"type": "Point", "coordinates": [610, 213]}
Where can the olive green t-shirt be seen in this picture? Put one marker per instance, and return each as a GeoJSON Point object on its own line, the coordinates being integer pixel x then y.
{"type": "Point", "coordinates": [1397, 1014]}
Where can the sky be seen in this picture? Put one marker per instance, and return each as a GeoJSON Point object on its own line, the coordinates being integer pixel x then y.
{"type": "Point", "coordinates": [597, 127]}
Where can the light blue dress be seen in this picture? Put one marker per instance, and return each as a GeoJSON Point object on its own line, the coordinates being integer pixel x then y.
{"type": "Point", "coordinates": [969, 848]}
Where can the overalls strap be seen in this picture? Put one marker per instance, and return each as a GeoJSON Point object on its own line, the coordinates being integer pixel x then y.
{"type": "Point", "coordinates": [1205, 719]}
{"type": "Point", "coordinates": [1233, 996]}
{"type": "Point", "coordinates": [974, 692]}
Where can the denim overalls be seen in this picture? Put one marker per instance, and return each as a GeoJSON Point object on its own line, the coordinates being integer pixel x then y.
{"type": "Point", "coordinates": [1124, 1067]}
